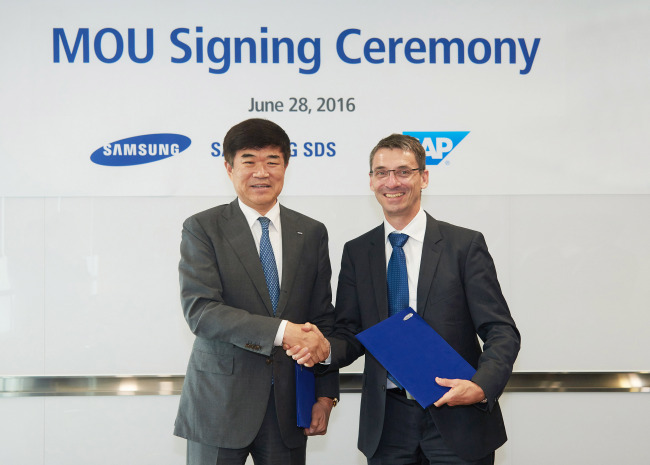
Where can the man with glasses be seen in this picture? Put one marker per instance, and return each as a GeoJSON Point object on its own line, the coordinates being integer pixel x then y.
{"type": "Point", "coordinates": [252, 273]}
{"type": "Point", "coordinates": [447, 275]}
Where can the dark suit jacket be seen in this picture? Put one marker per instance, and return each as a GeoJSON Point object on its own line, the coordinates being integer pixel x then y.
{"type": "Point", "coordinates": [227, 306]}
{"type": "Point", "coordinates": [460, 297]}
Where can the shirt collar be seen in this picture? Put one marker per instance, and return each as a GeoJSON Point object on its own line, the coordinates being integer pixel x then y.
{"type": "Point", "coordinates": [415, 229]}
{"type": "Point", "coordinates": [252, 215]}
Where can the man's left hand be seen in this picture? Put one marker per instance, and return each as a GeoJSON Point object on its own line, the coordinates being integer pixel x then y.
{"type": "Point", "coordinates": [462, 392]}
{"type": "Point", "coordinates": [320, 416]}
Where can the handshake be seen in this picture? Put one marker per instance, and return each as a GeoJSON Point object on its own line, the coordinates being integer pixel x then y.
{"type": "Point", "coordinates": [305, 344]}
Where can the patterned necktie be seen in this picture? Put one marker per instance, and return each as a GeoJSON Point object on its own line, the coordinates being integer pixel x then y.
{"type": "Point", "coordinates": [268, 263]}
{"type": "Point", "coordinates": [398, 282]}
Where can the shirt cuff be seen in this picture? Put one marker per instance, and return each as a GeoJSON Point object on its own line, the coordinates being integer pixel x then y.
{"type": "Point", "coordinates": [328, 360]}
{"type": "Point", "coordinates": [279, 336]}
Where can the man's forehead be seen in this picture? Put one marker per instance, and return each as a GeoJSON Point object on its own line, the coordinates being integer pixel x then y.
{"type": "Point", "coordinates": [266, 152]}
{"type": "Point", "coordinates": [392, 156]}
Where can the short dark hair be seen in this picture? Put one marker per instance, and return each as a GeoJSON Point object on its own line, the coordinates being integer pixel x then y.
{"type": "Point", "coordinates": [255, 133]}
{"type": "Point", "coordinates": [406, 143]}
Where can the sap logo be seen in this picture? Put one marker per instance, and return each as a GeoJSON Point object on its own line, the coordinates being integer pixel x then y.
{"type": "Point", "coordinates": [438, 145]}
{"type": "Point", "coordinates": [140, 149]}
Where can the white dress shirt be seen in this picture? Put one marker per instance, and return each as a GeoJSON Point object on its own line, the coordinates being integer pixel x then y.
{"type": "Point", "coordinates": [275, 236]}
{"type": "Point", "coordinates": [413, 252]}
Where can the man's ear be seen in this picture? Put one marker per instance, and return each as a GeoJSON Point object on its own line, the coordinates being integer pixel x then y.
{"type": "Point", "coordinates": [228, 169]}
{"type": "Point", "coordinates": [425, 179]}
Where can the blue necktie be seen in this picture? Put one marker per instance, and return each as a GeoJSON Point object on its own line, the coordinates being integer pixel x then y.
{"type": "Point", "coordinates": [268, 263]}
{"type": "Point", "coordinates": [398, 282]}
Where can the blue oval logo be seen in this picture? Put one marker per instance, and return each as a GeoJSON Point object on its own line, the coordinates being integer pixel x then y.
{"type": "Point", "coordinates": [140, 149]}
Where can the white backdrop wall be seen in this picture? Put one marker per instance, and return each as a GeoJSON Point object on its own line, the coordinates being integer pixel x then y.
{"type": "Point", "coordinates": [554, 170]}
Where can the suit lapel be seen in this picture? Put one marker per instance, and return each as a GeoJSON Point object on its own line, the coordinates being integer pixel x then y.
{"type": "Point", "coordinates": [377, 260]}
{"type": "Point", "coordinates": [292, 244]}
{"type": "Point", "coordinates": [238, 233]}
{"type": "Point", "coordinates": [430, 258]}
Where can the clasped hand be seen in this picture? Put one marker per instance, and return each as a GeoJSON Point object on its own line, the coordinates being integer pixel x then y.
{"type": "Point", "coordinates": [305, 344]}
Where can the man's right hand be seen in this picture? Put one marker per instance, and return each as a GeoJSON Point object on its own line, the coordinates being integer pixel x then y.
{"type": "Point", "coordinates": [305, 343]}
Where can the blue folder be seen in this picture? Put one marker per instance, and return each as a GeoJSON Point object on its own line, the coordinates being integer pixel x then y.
{"type": "Point", "coordinates": [305, 394]}
{"type": "Point", "coordinates": [415, 354]}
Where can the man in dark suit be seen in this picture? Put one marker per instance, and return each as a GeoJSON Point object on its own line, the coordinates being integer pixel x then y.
{"type": "Point", "coordinates": [450, 279]}
{"type": "Point", "coordinates": [251, 274]}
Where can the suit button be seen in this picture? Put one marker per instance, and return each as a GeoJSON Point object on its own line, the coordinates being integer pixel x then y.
{"type": "Point", "coordinates": [383, 387]}
{"type": "Point", "coordinates": [269, 361]}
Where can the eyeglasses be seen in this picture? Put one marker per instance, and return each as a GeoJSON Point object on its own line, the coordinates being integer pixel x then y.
{"type": "Point", "coordinates": [403, 173]}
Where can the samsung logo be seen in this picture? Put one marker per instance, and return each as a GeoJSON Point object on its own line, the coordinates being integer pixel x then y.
{"type": "Point", "coordinates": [140, 149]}
{"type": "Point", "coordinates": [437, 145]}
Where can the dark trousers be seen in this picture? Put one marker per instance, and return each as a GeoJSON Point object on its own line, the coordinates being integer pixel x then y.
{"type": "Point", "coordinates": [266, 449]}
{"type": "Point", "coordinates": [410, 437]}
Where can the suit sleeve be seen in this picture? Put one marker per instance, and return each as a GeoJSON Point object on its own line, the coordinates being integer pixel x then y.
{"type": "Point", "coordinates": [492, 321]}
{"type": "Point", "coordinates": [322, 314]}
{"type": "Point", "coordinates": [346, 348]}
{"type": "Point", "coordinates": [321, 311]}
{"type": "Point", "coordinates": [202, 298]}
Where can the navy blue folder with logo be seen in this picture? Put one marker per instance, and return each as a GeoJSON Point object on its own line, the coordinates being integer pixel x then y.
{"type": "Point", "coordinates": [305, 394]}
{"type": "Point", "coordinates": [415, 354]}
